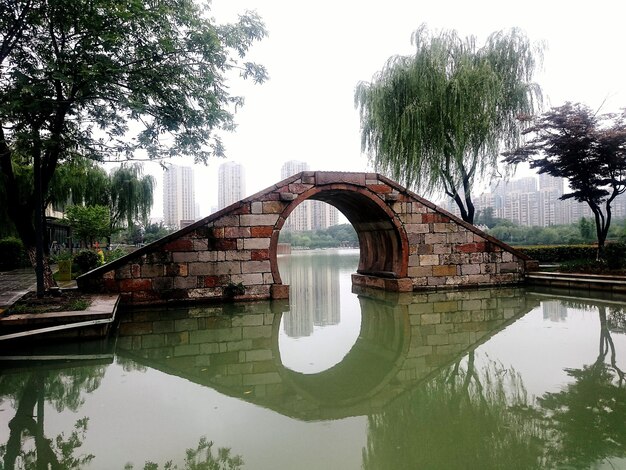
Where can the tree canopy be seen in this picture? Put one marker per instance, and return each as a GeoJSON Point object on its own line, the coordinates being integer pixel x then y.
{"type": "Point", "coordinates": [436, 120]}
{"type": "Point", "coordinates": [587, 149]}
{"type": "Point", "coordinates": [111, 79]}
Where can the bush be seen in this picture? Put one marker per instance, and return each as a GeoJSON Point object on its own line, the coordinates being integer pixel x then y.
{"type": "Point", "coordinates": [111, 255]}
{"type": "Point", "coordinates": [560, 253]}
{"type": "Point", "coordinates": [85, 260]}
{"type": "Point", "coordinates": [615, 255]}
{"type": "Point", "coordinates": [12, 254]}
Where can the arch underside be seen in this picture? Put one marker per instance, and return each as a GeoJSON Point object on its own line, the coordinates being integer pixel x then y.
{"type": "Point", "coordinates": [380, 240]}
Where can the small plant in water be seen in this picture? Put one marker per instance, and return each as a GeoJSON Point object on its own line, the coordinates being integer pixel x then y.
{"type": "Point", "coordinates": [232, 289]}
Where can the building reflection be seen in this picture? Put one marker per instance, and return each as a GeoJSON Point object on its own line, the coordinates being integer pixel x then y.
{"type": "Point", "coordinates": [313, 292]}
{"type": "Point", "coordinates": [554, 310]}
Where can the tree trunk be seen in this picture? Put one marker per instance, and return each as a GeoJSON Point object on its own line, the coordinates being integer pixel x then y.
{"type": "Point", "coordinates": [48, 280]}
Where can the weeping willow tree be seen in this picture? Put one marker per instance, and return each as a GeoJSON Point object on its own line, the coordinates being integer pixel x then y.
{"type": "Point", "coordinates": [126, 191]}
{"type": "Point", "coordinates": [437, 120]}
{"type": "Point", "coordinates": [131, 195]}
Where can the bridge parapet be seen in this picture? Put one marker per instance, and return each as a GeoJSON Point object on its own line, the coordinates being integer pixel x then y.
{"type": "Point", "coordinates": [406, 243]}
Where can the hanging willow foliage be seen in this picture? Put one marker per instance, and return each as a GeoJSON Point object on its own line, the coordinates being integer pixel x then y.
{"type": "Point", "coordinates": [436, 120]}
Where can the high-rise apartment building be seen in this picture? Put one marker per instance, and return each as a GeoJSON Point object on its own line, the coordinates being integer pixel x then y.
{"type": "Point", "coordinates": [310, 215]}
{"type": "Point", "coordinates": [525, 203]}
{"type": "Point", "coordinates": [178, 195]}
{"type": "Point", "coordinates": [231, 184]}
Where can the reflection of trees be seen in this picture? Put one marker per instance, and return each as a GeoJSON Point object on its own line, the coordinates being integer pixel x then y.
{"type": "Point", "coordinates": [587, 417]}
{"type": "Point", "coordinates": [201, 458]}
{"type": "Point", "coordinates": [461, 418]}
{"type": "Point", "coordinates": [29, 393]}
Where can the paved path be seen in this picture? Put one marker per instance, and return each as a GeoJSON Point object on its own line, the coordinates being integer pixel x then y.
{"type": "Point", "coordinates": [14, 284]}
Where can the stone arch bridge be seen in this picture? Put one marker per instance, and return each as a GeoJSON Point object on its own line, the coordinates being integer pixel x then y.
{"type": "Point", "coordinates": [406, 243]}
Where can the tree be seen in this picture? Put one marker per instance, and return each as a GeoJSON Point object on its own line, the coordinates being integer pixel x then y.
{"type": "Point", "coordinates": [89, 223]}
{"type": "Point", "coordinates": [437, 119]}
{"type": "Point", "coordinates": [586, 229]}
{"type": "Point", "coordinates": [587, 149]}
{"type": "Point", "coordinates": [74, 74]}
{"type": "Point", "coordinates": [131, 195]}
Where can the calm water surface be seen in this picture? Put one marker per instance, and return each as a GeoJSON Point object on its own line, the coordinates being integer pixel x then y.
{"type": "Point", "coordinates": [495, 378]}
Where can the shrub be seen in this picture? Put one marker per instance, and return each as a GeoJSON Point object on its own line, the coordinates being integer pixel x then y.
{"type": "Point", "coordinates": [615, 255]}
{"type": "Point", "coordinates": [560, 253]}
{"type": "Point", "coordinates": [86, 260]}
{"type": "Point", "coordinates": [12, 253]}
{"type": "Point", "coordinates": [111, 255]}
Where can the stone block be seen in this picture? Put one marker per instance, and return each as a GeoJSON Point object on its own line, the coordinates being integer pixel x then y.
{"type": "Point", "coordinates": [256, 244]}
{"type": "Point", "coordinates": [420, 271]}
{"type": "Point", "coordinates": [433, 217]}
{"type": "Point", "coordinates": [264, 378]}
{"type": "Point", "coordinates": [185, 257]}
{"type": "Point", "coordinates": [445, 228]}
{"type": "Point", "coordinates": [417, 228]}
{"type": "Point", "coordinates": [512, 267]}
{"type": "Point", "coordinates": [279, 291]}
{"type": "Point", "coordinates": [256, 207]}
{"type": "Point", "coordinates": [203, 269]}
{"type": "Point", "coordinates": [432, 238]}
{"type": "Point", "coordinates": [467, 269]}
{"type": "Point", "coordinates": [446, 306]}
{"type": "Point", "coordinates": [123, 272]}
{"type": "Point", "coordinates": [251, 332]}
{"type": "Point", "coordinates": [189, 282]}
{"type": "Point", "coordinates": [446, 270]}
{"type": "Point", "coordinates": [181, 244]}
{"type": "Point", "coordinates": [133, 285]}
{"type": "Point", "coordinates": [237, 255]}
{"type": "Point", "coordinates": [152, 270]}
{"type": "Point", "coordinates": [207, 256]}
{"type": "Point", "coordinates": [247, 279]}
{"type": "Point", "coordinates": [273, 207]}
{"type": "Point", "coordinates": [258, 219]}
{"type": "Point", "coordinates": [216, 336]}
{"type": "Point", "coordinates": [230, 267]}
{"type": "Point", "coordinates": [259, 355]}
{"type": "Point", "coordinates": [225, 244]}
{"type": "Point", "coordinates": [255, 267]}
{"type": "Point", "coordinates": [428, 260]}
{"type": "Point", "coordinates": [200, 244]}
{"type": "Point", "coordinates": [236, 232]}
{"type": "Point", "coordinates": [227, 221]}
{"type": "Point", "coordinates": [162, 283]}
{"type": "Point", "coordinates": [440, 249]}
{"type": "Point", "coordinates": [430, 319]}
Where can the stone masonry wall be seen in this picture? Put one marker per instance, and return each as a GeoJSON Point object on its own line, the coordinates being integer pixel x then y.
{"type": "Point", "coordinates": [406, 243]}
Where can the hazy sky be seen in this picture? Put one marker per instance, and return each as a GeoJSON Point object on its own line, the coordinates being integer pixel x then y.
{"type": "Point", "coordinates": [316, 53]}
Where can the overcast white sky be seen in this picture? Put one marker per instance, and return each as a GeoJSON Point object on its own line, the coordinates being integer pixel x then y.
{"type": "Point", "coordinates": [317, 52]}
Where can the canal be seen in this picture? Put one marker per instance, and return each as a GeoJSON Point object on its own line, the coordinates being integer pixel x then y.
{"type": "Point", "coordinates": [336, 379]}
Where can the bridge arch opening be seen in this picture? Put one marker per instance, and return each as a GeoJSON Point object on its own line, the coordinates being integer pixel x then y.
{"type": "Point", "coordinates": [382, 240]}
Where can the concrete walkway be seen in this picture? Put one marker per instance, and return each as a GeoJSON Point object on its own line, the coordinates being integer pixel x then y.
{"type": "Point", "coordinates": [16, 283]}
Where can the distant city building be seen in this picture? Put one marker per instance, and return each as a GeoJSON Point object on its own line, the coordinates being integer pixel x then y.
{"type": "Point", "coordinates": [300, 219]}
{"type": "Point", "coordinates": [178, 195]}
{"type": "Point", "coordinates": [310, 215]}
{"type": "Point", "coordinates": [231, 184]}
{"type": "Point", "coordinates": [528, 204]}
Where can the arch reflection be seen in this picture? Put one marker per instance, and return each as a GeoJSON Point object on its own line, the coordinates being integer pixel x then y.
{"type": "Point", "coordinates": [403, 339]}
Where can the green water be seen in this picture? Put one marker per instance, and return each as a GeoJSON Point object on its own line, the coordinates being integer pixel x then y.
{"type": "Point", "coordinates": [476, 379]}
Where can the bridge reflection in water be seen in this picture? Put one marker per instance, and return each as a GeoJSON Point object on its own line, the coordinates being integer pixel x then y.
{"type": "Point", "coordinates": [403, 339]}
